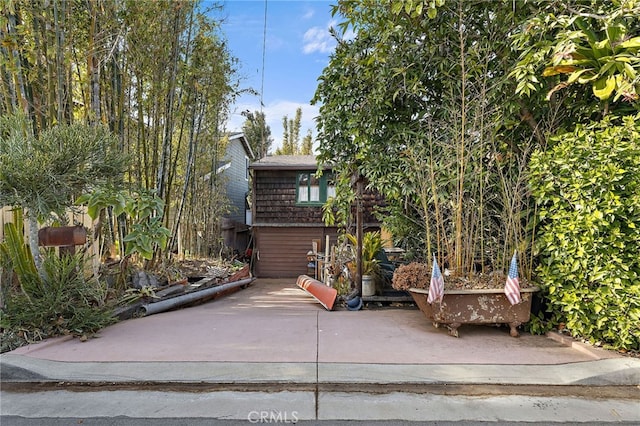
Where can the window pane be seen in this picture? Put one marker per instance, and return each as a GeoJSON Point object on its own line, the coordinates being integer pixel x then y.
{"type": "Point", "coordinates": [331, 186]}
{"type": "Point", "coordinates": [303, 194]}
{"type": "Point", "coordinates": [315, 193]}
{"type": "Point", "coordinates": [303, 187]}
{"type": "Point", "coordinates": [315, 189]}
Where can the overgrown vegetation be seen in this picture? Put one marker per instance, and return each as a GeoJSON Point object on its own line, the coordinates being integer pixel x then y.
{"type": "Point", "coordinates": [44, 174]}
{"type": "Point", "coordinates": [164, 100]}
{"type": "Point", "coordinates": [64, 299]}
{"type": "Point", "coordinates": [417, 103]}
{"type": "Point", "coordinates": [441, 112]}
{"type": "Point", "coordinates": [587, 187]}
{"type": "Point", "coordinates": [93, 102]}
{"type": "Point", "coordinates": [448, 109]}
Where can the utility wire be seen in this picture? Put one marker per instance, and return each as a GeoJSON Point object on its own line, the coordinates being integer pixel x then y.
{"type": "Point", "coordinates": [264, 49]}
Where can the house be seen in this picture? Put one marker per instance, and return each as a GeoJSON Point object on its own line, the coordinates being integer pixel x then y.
{"type": "Point", "coordinates": [287, 213]}
{"type": "Point", "coordinates": [234, 169]}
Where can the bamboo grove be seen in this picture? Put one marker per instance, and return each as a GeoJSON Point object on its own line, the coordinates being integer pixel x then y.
{"type": "Point", "coordinates": [156, 73]}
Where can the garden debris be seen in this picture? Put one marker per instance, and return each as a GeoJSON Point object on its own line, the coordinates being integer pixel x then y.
{"type": "Point", "coordinates": [177, 280]}
{"type": "Point", "coordinates": [143, 279]}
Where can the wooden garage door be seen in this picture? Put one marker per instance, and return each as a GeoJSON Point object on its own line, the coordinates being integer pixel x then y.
{"type": "Point", "coordinates": [282, 251]}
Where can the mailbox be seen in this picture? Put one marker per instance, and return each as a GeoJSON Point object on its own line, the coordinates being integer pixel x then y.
{"type": "Point", "coordinates": [62, 236]}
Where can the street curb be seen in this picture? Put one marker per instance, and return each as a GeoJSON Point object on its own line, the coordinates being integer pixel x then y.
{"type": "Point", "coordinates": [607, 372]}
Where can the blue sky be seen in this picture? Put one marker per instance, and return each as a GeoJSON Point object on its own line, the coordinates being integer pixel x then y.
{"type": "Point", "coordinates": [298, 46]}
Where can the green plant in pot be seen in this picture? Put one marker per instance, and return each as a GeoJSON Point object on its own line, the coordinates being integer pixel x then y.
{"type": "Point", "coordinates": [371, 244]}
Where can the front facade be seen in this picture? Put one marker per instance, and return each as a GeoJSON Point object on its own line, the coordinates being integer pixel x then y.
{"type": "Point", "coordinates": [287, 214]}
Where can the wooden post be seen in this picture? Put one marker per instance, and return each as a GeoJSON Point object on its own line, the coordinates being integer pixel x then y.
{"type": "Point", "coordinates": [325, 270]}
{"type": "Point", "coordinates": [359, 185]}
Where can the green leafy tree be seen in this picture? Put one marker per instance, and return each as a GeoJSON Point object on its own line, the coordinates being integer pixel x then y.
{"type": "Point", "coordinates": [291, 144]}
{"type": "Point", "coordinates": [423, 109]}
{"type": "Point", "coordinates": [307, 144]}
{"type": "Point", "coordinates": [257, 132]}
{"type": "Point", "coordinates": [291, 134]}
{"type": "Point", "coordinates": [593, 44]}
{"type": "Point", "coordinates": [45, 175]}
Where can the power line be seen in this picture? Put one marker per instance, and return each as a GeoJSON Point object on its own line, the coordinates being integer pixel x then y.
{"type": "Point", "coordinates": [264, 49]}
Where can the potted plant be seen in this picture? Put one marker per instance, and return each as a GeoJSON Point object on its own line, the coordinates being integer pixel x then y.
{"type": "Point", "coordinates": [371, 244]}
{"type": "Point", "coordinates": [480, 300]}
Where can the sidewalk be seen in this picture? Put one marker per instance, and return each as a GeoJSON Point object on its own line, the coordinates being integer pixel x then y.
{"type": "Point", "coordinates": [273, 336]}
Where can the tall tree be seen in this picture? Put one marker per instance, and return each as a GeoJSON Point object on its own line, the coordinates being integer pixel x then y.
{"type": "Point", "coordinates": [307, 144]}
{"type": "Point", "coordinates": [291, 134]}
{"type": "Point", "coordinates": [257, 132]}
{"type": "Point", "coordinates": [420, 104]}
{"type": "Point", "coordinates": [101, 61]}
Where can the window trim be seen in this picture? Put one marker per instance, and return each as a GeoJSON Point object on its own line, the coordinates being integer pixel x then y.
{"type": "Point", "coordinates": [323, 183]}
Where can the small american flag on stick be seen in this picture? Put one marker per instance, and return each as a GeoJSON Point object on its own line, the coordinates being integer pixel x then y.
{"type": "Point", "coordinates": [436, 286]}
{"type": "Point", "coordinates": [512, 286]}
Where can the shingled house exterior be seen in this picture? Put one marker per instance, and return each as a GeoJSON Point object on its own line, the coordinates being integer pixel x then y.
{"type": "Point", "coordinates": [287, 213]}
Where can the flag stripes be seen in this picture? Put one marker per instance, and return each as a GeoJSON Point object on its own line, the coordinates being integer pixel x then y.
{"type": "Point", "coordinates": [436, 286]}
{"type": "Point", "coordinates": [512, 286]}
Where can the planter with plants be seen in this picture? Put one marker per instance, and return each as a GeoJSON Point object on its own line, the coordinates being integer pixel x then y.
{"type": "Point", "coordinates": [480, 300]}
{"type": "Point", "coordinates": [371, 244]}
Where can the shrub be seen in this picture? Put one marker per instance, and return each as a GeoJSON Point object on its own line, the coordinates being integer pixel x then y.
{"type": "Point", "coordinates": [414, 274]}
{"type": "Point", "coordinates": [66, 302]}
{"type": "Point", "coordinates": [587, 187]}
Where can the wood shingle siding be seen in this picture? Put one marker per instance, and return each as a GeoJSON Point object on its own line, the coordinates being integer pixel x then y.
{"type": "Point", "coordinates": [283, 230]}
{"type": "Point", "coordinates": [275, 200]}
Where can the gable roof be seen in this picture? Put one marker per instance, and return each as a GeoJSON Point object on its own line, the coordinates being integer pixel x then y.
{"type": "Point", "coordinates": [286, 162]}
{"type": "Point", "coordinates": [244, 141]}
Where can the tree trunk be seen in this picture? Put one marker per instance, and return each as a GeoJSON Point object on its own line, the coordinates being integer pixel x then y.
{"type": "Point", "coordinates": [359, 191]}
{"type": "Point", "coordinates": [93, 67]}
{"type": "Point", "coordinates": [33, 243]}
{"type": "Point", "coordinates": [193, 137]}
{"type": "Point", "coordinates": [165, 157]}
{"type": "Point", "coordinates": [59, 32]}
{"type": "Point", "coordinates": [17, 62]}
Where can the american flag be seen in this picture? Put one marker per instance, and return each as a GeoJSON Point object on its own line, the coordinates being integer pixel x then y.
{"type": "Point", "coordinates": [436, 286]}
{"type": "Point", "coordinates": [512, 286]}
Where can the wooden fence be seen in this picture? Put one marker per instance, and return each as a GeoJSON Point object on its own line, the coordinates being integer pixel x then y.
{"type": "Point", "coordinates": [6, 216]}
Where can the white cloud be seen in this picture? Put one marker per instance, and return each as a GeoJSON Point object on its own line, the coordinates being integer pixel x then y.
{"type": "Point", "coordinates": [318, 39]}
{"type": "Point", "coordinates": [309, 14]}
{"type": "Point", "coordinates": [274, 112]}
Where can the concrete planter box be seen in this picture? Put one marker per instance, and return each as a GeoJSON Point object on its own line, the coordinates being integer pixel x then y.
{"type": "Point", "coordinates": [487, 306]}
